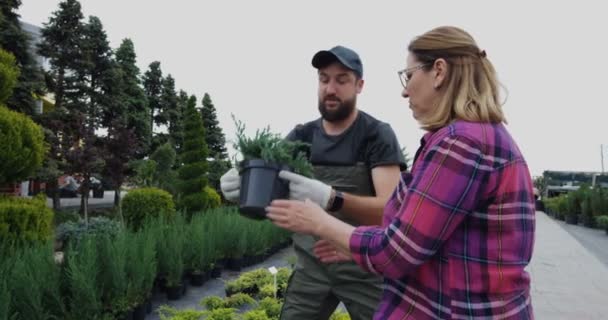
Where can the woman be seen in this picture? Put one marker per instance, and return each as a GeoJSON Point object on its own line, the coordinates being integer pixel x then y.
{"type": "Point", "coordinates": [459, 230]}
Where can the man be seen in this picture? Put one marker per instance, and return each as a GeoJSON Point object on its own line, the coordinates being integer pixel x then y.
{"type": "Point", "coordinates": [357, 161]}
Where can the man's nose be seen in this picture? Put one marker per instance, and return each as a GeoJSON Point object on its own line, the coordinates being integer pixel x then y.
{"type": "Point", "coordinates": [404, 93]}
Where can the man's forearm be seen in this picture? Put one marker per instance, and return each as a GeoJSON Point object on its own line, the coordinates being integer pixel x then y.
{"type": "Point", "coordinates": [364, 210]}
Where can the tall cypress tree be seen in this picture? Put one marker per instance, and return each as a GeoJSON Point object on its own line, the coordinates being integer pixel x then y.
{"type": "Point", "coordinates": [216, 142]}
{"type": "Point", "coordinates": [16, 41]}
{"type": "Point", "coordinates": [153, 87]}
{"type": "Point", "coordinates": [138, 113]}
{"type": "Point", "coordinates": [193, 172]}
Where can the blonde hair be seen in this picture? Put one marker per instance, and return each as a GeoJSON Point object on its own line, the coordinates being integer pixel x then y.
{"type": "Point", "coordinates": [470, 90]}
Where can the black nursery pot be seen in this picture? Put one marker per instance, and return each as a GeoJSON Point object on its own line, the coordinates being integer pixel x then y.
{"type": "Point", "coordinates": [260, 184]}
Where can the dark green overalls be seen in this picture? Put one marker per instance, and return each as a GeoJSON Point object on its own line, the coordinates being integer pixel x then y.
{"type": "Point", "coordinates": [315, 289]}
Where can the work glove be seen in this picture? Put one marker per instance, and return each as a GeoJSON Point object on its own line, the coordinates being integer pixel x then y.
{"type": "Point", "coordinates": [230, 184]}
{"type": "Point", "coordinates": [302, 188]}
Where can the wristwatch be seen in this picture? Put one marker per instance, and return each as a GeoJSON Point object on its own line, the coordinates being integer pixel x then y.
{"type": "Point", "coordinates": [338, 201]}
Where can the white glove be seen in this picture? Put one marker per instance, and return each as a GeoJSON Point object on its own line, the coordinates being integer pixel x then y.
{"type": "Point", "coordinates": [230, 184]}
{"type": "Point", "coordinates": [302, 188]}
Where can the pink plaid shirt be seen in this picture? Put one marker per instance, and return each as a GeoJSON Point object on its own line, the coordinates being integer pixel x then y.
{"type": "Point", "coordinates": [458, 231]}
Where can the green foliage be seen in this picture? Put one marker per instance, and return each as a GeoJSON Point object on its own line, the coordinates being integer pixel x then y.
{"type": "Point", "coordinates": [25, 220]}
{"type": "Point", "coordinates": [238, 300]}
{"type": "Point", "coordinates": [339, 315]}
{"type": "Point", "coordinates": [213, 198]}
{"type": "Point", "coordinates": [138, 113]}
{"type": "Point", "coordinates": [23, 147]}
{"type": "Point", "coordinates": [9, 72]}
{"type": "Point", "coordinates": [81, 276]}
{"type": "Point", "coordinates": [144, 172]}
{"type": "Point", "coordinates": [602, 222]}
{"type": "Point", "coordinates": [16, 41]}
{"type": "Point", "coordinates": [34, 283]}
{"type": "Point", "coordinates": [170, 250]}
{"type": "Point", "coordinates": [63, 216]}
{"type": "Point", "coordinates": [168, 313]}
{"type": "Point", "coordinates": [73, 232]}
{"type": "Point", "coordinates": [255, 315]}
{"type": "Point", "coordinates": [271, 306]}
{"type": "Point", "coordinates": [140, 204]}
{"type": "Point", "coordinates": [193, 173]}
{"type": "Point", "coordinates": [272, 148]}
{"type": "Point", "coordinates": [112, 260]}
{"type": "Point", "coordinates": [221, 314]}
{"type": "Point", "coordinates": [212, 302]}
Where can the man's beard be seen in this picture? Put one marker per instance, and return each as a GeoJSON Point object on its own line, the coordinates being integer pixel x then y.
{"type": "Point", "coordinates": [344, 109]}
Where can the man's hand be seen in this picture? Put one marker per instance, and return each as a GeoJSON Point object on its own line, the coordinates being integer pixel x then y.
{"type": "Point", "coordinates": [230, 184]}
{"type": "Point", "coordinates": [302, 188]}
{"type": "Point", "coordinates": [326, 252]}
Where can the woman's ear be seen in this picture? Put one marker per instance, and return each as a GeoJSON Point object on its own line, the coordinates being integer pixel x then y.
{"type": "Point", "coordinates": [440, 68]}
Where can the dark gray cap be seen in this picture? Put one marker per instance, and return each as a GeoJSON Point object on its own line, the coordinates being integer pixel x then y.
{"type": "Point", "coordinates": [345, 56]}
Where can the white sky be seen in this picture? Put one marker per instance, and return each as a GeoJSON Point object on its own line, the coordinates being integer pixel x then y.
{"type": "Point", "coordinates": [253, 58]}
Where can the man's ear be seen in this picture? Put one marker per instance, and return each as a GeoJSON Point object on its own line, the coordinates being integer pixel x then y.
{"type": "Point", "coordinates": [359, 85]}
{"type": "Point", "coordinates": [440, 68]}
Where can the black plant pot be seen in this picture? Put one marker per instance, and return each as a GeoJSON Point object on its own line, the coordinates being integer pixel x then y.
{"type": "Point", "coordinates": [148, 304]}
{"type": "Point", "coordinates": [572, 218]}
{"type": "Point", "coordinates": [139, 313]}
{"type": "Point", "coordinates": [197, 279]}
{"type": "Point", "coordinates": [260, 184]}
{"type": "Point", "coordinates": [216, 272]}
{"type": "Point", "coordinates": [174, 293]}
{"type": "Point", "coordinates": [234, 264]}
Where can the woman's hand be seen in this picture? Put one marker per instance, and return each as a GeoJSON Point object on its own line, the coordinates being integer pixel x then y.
{"type": "Point", "coordinates": [301, 217]}
{"type": "Point", "coordinates": [326, 252]}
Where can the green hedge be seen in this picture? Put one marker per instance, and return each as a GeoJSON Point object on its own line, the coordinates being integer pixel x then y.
{"type": "Point", "coordinates": [23, 219]}
{"type": "Point", "coordinates": [139, 204]}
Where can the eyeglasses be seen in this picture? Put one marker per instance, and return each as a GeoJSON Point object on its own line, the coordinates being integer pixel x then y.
{"type": "Point", "coordinates": [406, 74]}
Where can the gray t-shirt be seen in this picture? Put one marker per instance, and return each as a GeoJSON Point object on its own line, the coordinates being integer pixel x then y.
{"type": "Point", "coordinates": [367, 140]}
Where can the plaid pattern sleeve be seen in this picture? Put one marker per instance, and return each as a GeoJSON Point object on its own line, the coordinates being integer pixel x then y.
{"type": "Point", "coordinates": [457, 232]}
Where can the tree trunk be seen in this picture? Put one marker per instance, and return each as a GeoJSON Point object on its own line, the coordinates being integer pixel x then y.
{"type": "Point", "coordinates": [53, 185]}
{"type": "Point", "coordinates": [117, 197]}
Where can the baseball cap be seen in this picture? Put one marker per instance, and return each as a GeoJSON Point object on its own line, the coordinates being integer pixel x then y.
{"type": "Point", "coordinates": [344, 55]}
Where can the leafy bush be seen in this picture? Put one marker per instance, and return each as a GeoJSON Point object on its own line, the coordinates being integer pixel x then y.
{"type": "Point", "coordinates": [72, 232]}
{"type": "Point", "coordinates": [271, 306]}
{"type": "Point", "coordinates": [213, 198]}
{"type": "Point", "coordinates": [140, 204]}
{"type": "Point", "coordinates": [602, 222]}
{"type": "Point", "coordinates": [168, 313]}
{"type": "Point", "coordinates": [25, 220]}
{"type": "Point", "coordinates": [339, 315]}
{"type": "Point", "coordinates": [65, 216]}
{"type": "Point", "coordinates": [34, 283]}
{"type": "Point", "coordinates": [256, 315]}
{"type": "Point", "coordinates": [23, 147]}
{"type": "Point", "coordinates": [272, 148]}
{"type": "Point", "coordinates": [212, 302]}
{"type": "Point", "coordinates": [238, 300]}
{"type": "Point", "coordinates": [81, 276]}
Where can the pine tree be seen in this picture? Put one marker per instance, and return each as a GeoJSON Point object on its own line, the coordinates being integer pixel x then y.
{"type": "Point", "coordinates": [138, 114]}
{"type": "Point", "coordinates": [153, 86]}
{"type": "Point", "coordinates": [168, 101]}
{"type": "Point", "coordinates": [63, 49]}
{"type": "Point", "coordinates": [193, 172]}
{"type": "Point", "coordinates": [176, 126]}
{"type": "Point", "coordinates": [216, 142]}
{"type": "Point", "coordinates": [16, 41]}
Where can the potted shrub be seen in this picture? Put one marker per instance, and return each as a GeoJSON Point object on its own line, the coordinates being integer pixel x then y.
{"type": "Point", "coordinates": [602, 222]}
{"type": "Point", "coordinates": [262, 157]}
